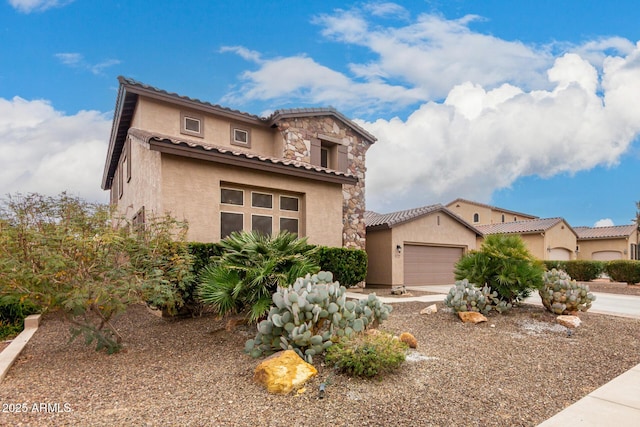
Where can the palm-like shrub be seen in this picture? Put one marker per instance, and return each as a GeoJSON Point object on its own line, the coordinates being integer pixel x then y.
{"type": "Point", "coordinates": [250, 269]}
{"type": "Point", "coordinates": [505, 265]}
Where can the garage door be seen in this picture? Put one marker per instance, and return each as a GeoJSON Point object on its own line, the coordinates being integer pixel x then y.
{"type": "Point", "coordinates": [560, 254]}
{"type": "Point", "coordinates": [606, 255]}
{"type": "Point", "coordinates": [430, 265]}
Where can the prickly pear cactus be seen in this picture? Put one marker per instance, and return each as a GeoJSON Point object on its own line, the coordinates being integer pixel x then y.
{"type": "Point", "coordinates": [561, 295]}
{"type": "Point", "coordinates": [465, 296]}
{"type": "Point", "coordinates": [310, 315]}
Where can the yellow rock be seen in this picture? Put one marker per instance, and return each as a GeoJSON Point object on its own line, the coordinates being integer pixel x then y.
{"type": "Point", "coordinates": [409, 339]}
{"type": "Point", "coordinates": [471, 317]}
{"type": "Point", "coordinates": [283, 371]}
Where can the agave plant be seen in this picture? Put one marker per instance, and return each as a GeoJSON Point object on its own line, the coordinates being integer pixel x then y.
{"type": "Point", "coordinates": [252, 266]}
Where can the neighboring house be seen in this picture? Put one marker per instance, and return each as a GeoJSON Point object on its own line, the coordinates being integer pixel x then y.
{"type": "Point", "coordinates": [480, 214]}
{"type": "Point", "coordinates": [416, 246]}
{"type": "Point", "coordinates": [301, 170]}
{"type": "Point", "coordinates": [608, 243]}
{"type": "Point", "coordinates": [546, 238]}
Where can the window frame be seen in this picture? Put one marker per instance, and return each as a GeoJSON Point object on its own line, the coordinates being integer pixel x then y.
{"type": "Point", "coordinates": [247, 130]}
{"type": "Point", "coordinates": [297, 199]}
{"type": "Point", "coordinates": [254, 215]}
{"type": "Point", "coordinates": [231, 189]}
{"type": "Point", "coordinates": [297, 220]}
{"type": "Point", "coordinates": [222, 213]}
{"type": "Point", "coordinates": [253, 206]}
{"type": "Point", "coordinates": [184, 115]}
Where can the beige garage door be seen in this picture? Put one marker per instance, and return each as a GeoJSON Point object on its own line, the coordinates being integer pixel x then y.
{"type": "Point", "coordinates": [560, 254]}
{"type": "Point", "coordinates": [606, 255]}
{"type": "Point", "coordinates": [430, 265]}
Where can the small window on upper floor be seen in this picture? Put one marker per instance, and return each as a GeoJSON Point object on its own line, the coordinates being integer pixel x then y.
{"type": "Point", "coordinates": [192, 124]}
{"type": "Point", "coordinates": [502, 218]}
{"type": "Point", "coordinates": [476, 217]}
{"type": "Point", "coordinates": [324, 157]}
{"type": "Point", "coordinates": [240, 136]}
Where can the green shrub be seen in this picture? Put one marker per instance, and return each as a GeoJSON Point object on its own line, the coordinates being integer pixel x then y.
{"type": "Point", "coordinates": [505, 265]}
{"type": "Point", "coordinates": [550, 264]}
{"type": "Point", "coordinates": [12, 314]}
{"type": "Point", "coordinates": [367, 355]}
{"type": "Point", "coordinates": [561, 295]}
{"type": "Point", "coordinates": [311, 314]}
{"type": "Point", "coordinates": [465, 296]}
{"type": "Point", "coordinates": [203, 253]}
{"type": "Point", "coordinates": [583, 270]}
{"type": "Point", "coordinates": [349, 266]}
{"type": "Point", "coordinates": [624, 271]}
{"type": "Point", "coordinates": [249, 270]}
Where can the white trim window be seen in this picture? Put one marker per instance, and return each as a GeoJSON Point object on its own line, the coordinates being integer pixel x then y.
{"type": "Point", "coordinates": [192, 124]}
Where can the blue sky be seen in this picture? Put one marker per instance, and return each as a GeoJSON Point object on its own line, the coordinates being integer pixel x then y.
{"type": "Point", "coordinates": [532, 106]}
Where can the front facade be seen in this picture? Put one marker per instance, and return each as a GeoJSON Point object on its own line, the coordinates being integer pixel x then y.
{"type": "Point", "coordinates": [222, 170]}
{"type": "Point", "coordinates": [416, 246]}
{"type": "Point", "coordinates": [480, 214]}
{"type": "Point", "coordinates": [546, 238]}
{"type": "Point", "coordinates": [608, 243]}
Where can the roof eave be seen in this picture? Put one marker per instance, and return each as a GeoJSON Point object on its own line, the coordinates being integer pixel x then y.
{"type": "Point", "coordinates": [184, 150]}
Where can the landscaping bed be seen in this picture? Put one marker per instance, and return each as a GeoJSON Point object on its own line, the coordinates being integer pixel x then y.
{"type": "Point", "coordinates": [519, 372]}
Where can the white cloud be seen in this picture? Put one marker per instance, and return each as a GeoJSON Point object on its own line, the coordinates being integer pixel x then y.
{"type": "Point", "coordinates": [486, 112]}
{"type": "Point", "coordinates": [605, 222]}
{"type": "Point", "coordinates": [46, 151]}
{"type": "Point", "coordinates": [478, 141]}
{"type": "Point", "coordinates": [76, 60]}
{"type": "Point", "coordinates": [28, 6]}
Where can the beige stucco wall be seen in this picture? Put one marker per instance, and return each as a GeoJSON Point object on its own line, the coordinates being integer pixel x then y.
{"type": "Point", "coordinates": [560, 236]}
{"type": "Point", "coordinates": [588, 247]}
{"type": "Point", "coordinates": [380, 253]}
{"type": "Point", "coordinates": [164, 118]}
{"type": "Point", "coordinates": [556, 237]}
{"type": "Point", "coordinates": [191, 191]}
{"type": "Point", "coordinates": [467, 210]}
{"type": "Point", "coordinates": [424, 230]}
{"type": "Point", "coordinates": [143, 189]}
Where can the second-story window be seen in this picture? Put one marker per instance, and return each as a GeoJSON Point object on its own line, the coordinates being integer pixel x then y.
{"type": "Point", "coordinates": [191, 124]}
{"type": "Point", "coordinates": [240, 135]}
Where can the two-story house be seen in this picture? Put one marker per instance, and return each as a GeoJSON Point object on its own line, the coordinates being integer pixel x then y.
{"type": "Point", "coordinates": [222, 170]}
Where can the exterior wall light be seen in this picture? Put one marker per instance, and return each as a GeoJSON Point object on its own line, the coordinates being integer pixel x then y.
{"type": "Point", "coordinates": [398, 249]}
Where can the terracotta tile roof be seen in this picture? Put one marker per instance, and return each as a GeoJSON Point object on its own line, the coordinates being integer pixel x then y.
{"type": "Point", "coordinates": [520, 227]}
{"type": "Point", "coordinates": [495, 208]}
{"type": "Point", "coordinates": [615, 231]}
{"type": "Point", "coordinates": [231, 152]}
{"type": "Point", "coordinates": [127, 99]}
{"type": "Point", "coordinates": [134, 83]}
{"type": "Point", "coordinates": [376, 221]}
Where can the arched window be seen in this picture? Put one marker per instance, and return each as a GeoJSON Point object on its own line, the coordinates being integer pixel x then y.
{"type": "Point", "coordinates": [476, 217]}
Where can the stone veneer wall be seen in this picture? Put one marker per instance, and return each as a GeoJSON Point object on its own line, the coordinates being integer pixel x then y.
{"type": "Point", "coordinates": [297, 134]}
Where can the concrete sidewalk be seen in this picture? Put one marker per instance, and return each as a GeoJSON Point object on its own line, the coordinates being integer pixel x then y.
{"type": "Point", "coordinates": [616, 403]}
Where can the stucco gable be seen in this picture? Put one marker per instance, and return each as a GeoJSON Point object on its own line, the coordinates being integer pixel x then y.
{"type": "Point", "coordinates": [376, 221]}
{"type": "Point", "coordinates": [524, 227]}
{"type": "Point", "coordinates": [493, 208]}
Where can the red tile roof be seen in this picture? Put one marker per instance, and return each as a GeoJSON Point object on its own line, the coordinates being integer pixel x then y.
{"type": "Point", "coordinates": [520, 227]}
{"type": "Point", "coordinates": [376, 221]}
{"type": "Point", "coordinates": [495, 208]}
{"type": "Point", "coordinates": [228, 152]}
{"type": "Point", "coordinates": [612, 232]}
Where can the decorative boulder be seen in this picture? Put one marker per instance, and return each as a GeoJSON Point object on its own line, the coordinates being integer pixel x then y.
{"type": "Point", "coordinates": [569, 321]}
{"type": "Point", "coordinates": [471, 317]}
{"type": "Point", "coordinates": [409, 340]}
{"type": "Point", "coordinates": [283, 371]}
{"type": "Point", "coordinates": [429, 310]}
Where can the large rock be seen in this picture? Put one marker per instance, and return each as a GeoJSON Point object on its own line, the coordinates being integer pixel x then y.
{"type": "Point", "coordinates": [409, 339]}
{"type": "Point", "coordinates": [471, 317]}
{"type": "Point", "coordinates": [283, 371]}
{"type": "Point", "coordinates": [568, 321]}
{"type": "Point", "coordinates": [429, 310]}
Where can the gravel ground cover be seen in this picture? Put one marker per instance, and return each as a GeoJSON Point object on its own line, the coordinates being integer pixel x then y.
{"type": "Point", "coordinates": [517, 369]}
{"type": "Point", "coordinates": [613, 287]}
